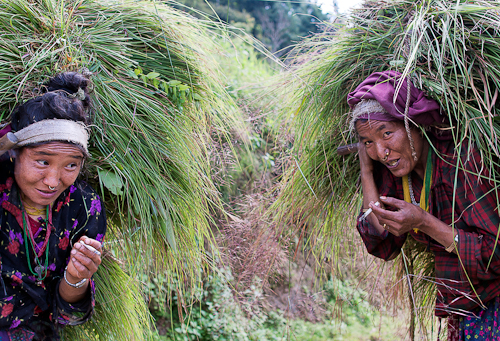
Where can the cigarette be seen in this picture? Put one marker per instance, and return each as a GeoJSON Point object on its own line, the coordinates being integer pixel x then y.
{"type": "Point", "coordinates": [91, 248]}
{"type": "Point", "coordinates": [368, 211]}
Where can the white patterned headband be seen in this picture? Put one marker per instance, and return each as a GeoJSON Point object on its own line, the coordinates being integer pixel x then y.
{"type": "Point", "coordinates": [47, 131]}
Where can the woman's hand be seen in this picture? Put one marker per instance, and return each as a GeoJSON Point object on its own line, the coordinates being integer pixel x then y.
{"type": "Point", "coordinates": [83, 263]}
{"type": "Point", "coordinates": [406, 218]}
{"type": "Point", "coordinates": [365, 162]}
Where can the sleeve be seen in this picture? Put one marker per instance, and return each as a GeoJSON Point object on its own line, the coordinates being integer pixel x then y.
{"type": "Point", "coordinates": [382, 245]}
{"type": "Point", "coordinates": [478, 200]}
{"type": "Point", "coordinates": [91, 222]}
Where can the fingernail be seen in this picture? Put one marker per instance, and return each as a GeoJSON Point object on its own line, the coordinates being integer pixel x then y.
{"type": "Point", "coordinates": [73, 259]}
{"type": "Point", "coordinates": [73, 252]}
{"type": "Point", "coordinates": [383, 197]}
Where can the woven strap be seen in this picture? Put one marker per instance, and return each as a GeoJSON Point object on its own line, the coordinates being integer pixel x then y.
{"type": "Point", "coordinates": [54, 130]}
{"type": "Point", "coordinates": [426, 189]}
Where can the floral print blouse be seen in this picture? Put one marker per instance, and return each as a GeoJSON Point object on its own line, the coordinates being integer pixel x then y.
{"type": "Point", "coordinates": [25, 303]}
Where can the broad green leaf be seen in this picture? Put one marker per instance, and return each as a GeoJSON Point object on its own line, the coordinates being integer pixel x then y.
{"type": "Point", "coordinates": [156, 82]}
{"type": "Point", "coordinates": [131, 73]}
{"type": "Point", "coordinates": [152, 75]}
{"type": "Point", "coordinates": [111, 180]}
{"type": "Point", "coordinates": [168, 232]}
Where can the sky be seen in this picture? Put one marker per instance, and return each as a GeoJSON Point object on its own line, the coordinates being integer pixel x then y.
{"type": "Point", "coordinates": [344, 5]}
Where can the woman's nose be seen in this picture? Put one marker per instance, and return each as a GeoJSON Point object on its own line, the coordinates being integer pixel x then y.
{"type": "Point", "coordinates": [52, 178]}
{"type": "Point", "coordinates": [383, 152]}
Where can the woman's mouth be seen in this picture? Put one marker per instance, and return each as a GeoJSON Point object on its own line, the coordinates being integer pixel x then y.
{"type": "Point", "coordinates": [46, 194]}
{"type": "Point", "coordinates": [392, 164]}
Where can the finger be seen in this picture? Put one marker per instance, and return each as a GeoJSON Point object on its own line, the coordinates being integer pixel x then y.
{"type": "Point", "coordinates": [91, 242]}
{"type": "Point", "coordinates": [82, 269]}
{"type": "Point", "coordinates": [88, 251]}
{"type": "Point", "coordinates": [77, 270]}
{"type": "Point", "coordinates": [384, 216]}
{"type": "Point", "coordinates": [382, 212]}
{"type": "Point", "coordinates": [85, 261]}
{"type": "Point", "coordinates": [390, 201]}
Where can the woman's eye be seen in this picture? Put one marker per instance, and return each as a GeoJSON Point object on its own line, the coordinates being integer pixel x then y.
{"type": "Point", "coordinates": [387, 133]}
{"type": "Point", "coordinates": [367, 143]}
{"type": "Point", "coordinates": [72, 166]}
{"type": "Point", "coordinates": [43, 162]}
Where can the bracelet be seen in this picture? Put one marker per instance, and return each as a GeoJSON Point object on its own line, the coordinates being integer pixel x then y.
{"type": "Point", "coordinates": [77, 285]}
{"type": "Point", "coordinates": [451, 247]}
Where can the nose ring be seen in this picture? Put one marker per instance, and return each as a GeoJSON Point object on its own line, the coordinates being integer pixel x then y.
{"type": "Point", "coordinates": [386, 155]}
{"type": "Point", "coordinates": [53, 188]}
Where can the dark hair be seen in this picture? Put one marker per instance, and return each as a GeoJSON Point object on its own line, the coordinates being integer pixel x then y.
{"type": "Point", "coordinates": [55, 102]}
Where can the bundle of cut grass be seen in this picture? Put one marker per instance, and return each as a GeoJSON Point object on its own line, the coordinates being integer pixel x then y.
{"type": "Point", "coordinates": [449, 49]}
{"type": "Point", "coordinates": [156, 99]}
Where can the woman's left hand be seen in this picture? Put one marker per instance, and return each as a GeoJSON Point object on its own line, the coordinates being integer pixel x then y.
{"type": "Point", "coordinates": [404, 219]}
{"type": "Point", "coordinates": [84, 261]}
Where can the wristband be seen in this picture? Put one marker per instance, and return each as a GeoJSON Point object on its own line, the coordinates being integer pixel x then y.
{"type": "Point", "coordinates": [452, 245]}
{"type": "Point", "coordinates": [77, 285]}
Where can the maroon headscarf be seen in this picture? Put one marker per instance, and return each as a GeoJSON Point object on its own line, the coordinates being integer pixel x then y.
{"type": "Point", "coordinates": [381, 86]}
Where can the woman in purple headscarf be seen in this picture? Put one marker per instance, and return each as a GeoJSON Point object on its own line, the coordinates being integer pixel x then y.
{"type": "Point", "coordinates": [440, 195]}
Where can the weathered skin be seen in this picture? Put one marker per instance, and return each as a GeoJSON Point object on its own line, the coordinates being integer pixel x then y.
{"type": "Point", "coordinates": [57, 165]}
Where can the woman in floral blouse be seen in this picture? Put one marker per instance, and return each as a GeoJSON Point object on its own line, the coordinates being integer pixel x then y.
{"type": "Point", "coordinates": [51, 224]}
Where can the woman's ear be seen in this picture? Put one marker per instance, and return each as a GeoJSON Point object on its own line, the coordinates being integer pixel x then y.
{"type": "Point", "coordinates": [13, 153]}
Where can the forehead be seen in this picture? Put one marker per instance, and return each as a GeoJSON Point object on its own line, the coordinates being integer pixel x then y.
{"type": "Point", "coordinates": [368, 127]}
{"type": "Point", "coordinates": [56, 149]}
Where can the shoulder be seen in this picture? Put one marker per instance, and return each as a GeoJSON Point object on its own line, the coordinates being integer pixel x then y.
{"type": "Point", "coordinates": [85, 209]}
{"type": "Point", "coordinates": [80, 196]}
{"type": "Point", "coordinates": [463, 162]}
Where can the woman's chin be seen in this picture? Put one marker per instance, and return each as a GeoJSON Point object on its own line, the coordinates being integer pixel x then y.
{"type": "Point", "coordinates": [42, 198]}
{"type": "Point", "coordinates": [399, 172]}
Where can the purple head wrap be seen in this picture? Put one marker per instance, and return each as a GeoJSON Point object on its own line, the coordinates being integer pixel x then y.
{"type": "Point", "coordinates": [381, 86]}
{"type": "Point", "coordinates": [5, 129]}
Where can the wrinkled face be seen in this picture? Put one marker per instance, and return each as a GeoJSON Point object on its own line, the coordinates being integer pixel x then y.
{"type": "Point", "coordinates": [388, 143]}
{"type": "Point", "coordinates": [54, 164]}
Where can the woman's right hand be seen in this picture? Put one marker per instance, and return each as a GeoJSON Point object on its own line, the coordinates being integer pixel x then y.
{"type": "Point", "coordinates": [365, 162]}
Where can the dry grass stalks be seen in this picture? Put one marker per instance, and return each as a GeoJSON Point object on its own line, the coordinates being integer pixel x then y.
{"type": "Point", "coordinates": [251, 247]}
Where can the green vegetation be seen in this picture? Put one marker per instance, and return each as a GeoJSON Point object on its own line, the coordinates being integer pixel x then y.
{"type": "Point", "coordinates": [215, 314]}
{"type": "Point", "coordinates": [229, 209]}
{"type": "Point", "coordinates": [278, 24]}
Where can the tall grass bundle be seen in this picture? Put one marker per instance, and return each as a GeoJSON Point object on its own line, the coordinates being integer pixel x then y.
{"type": "Point", "coordinates": [156, 98]}
{"type": "Point", "coordinates": [449, 48]}
{"type": "Point", "coordinates": [117, 291]}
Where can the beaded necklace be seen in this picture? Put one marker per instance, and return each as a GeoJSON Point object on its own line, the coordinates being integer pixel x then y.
{"type": "Point", "coordinates": [40, 271]}
{"type": "Point", "coordinates": [409, 196]}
